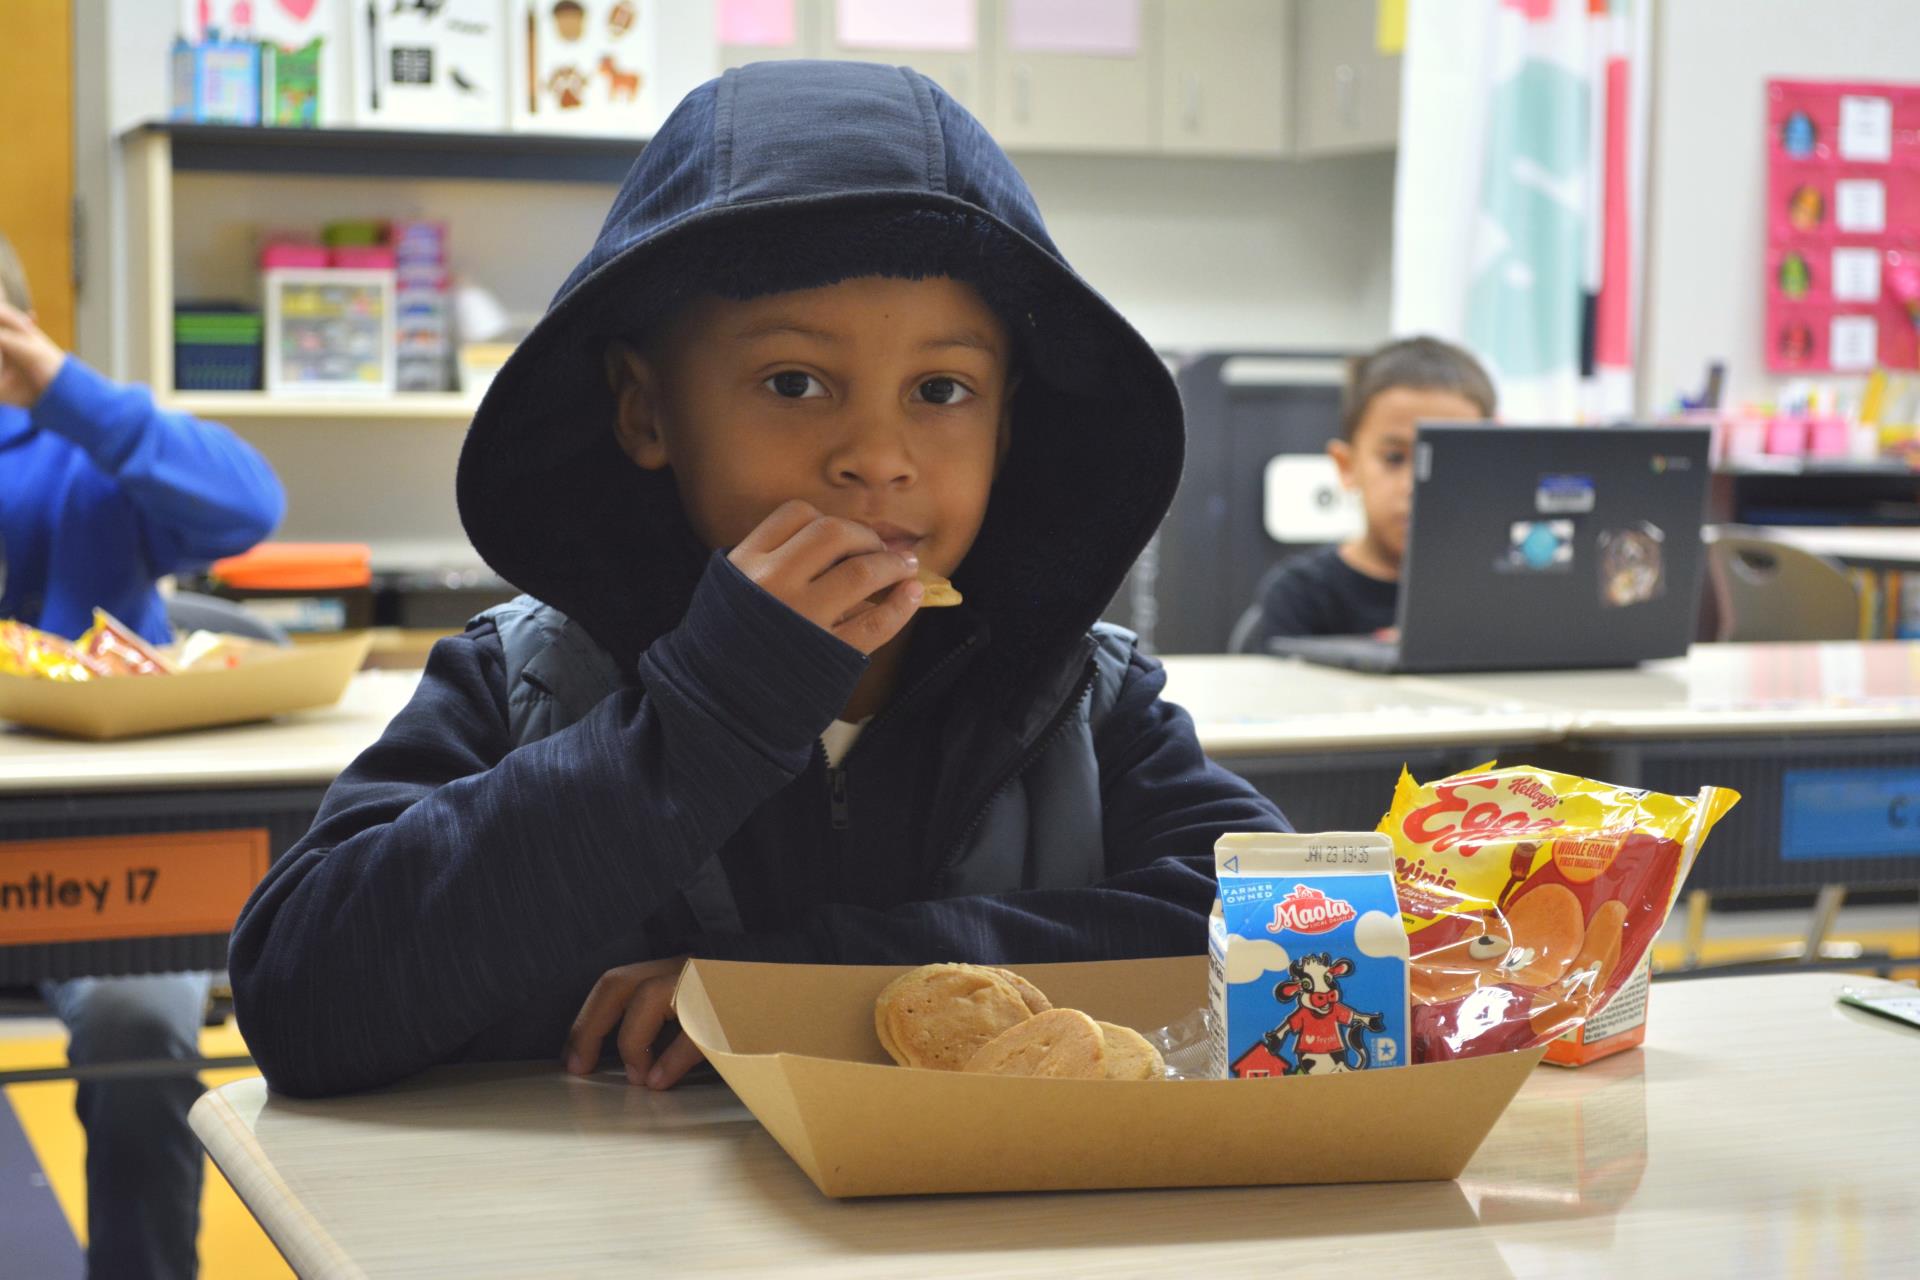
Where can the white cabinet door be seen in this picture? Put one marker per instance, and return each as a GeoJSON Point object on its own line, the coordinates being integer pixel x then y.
{"type": "Point", "coordinates": [1049, 98]}
{"type": "Point", "coordinates": [1348, 91]}
{"type": "Point", "coordinates": [1226, 76]}
{"type": "Point", "coordinates": [960, 71]}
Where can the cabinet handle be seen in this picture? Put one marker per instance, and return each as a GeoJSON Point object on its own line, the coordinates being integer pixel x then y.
{"type": "Point", "coordinates": [1022, 94]}
{"type": "Point", "coordinates": [1343, 94]}
{"type": "Point", "coordinates": [1190, 94]}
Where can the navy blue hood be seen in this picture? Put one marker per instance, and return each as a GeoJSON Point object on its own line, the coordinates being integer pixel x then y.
{"type": "Point", "coordinates": [791, 175]}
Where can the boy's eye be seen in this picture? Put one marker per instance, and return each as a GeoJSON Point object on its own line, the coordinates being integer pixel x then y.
{"type": "Point", "coordinates": [1394, 459]}
{"type": "Point", "coordinates": [795, 385]}
{"type": "Point", "coordinates": [944, 391]}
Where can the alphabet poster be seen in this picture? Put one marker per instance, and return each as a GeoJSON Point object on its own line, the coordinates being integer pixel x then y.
{"type": "Point", "coordinates": [585, 66]}
{"type": "Point", "coordinates": [1843, 226]}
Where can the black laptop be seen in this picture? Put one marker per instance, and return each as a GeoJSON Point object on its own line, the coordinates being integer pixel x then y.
{"type": "Point", "coordinates": [1532, 548]}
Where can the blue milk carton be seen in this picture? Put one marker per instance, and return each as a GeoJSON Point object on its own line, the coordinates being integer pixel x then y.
{"type": "Point", "coordinates": [1307, 955]}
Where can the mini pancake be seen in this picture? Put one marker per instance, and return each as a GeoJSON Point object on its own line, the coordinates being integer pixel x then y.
{"type": "Point", "coordinates": [938, 1015]}
{"type": "Point", "coordinates": [940, 593]}
{"type": "Point", "coordinates": [1130, 1055]}
{"type": "Point", "coordinates": [1060, 1043]}
{"type": "Point", "coordinates": [1548, 922]}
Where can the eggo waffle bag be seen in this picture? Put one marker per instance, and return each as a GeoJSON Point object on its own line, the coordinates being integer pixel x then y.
{"type": "Point", "coordinates": [1529, 897]}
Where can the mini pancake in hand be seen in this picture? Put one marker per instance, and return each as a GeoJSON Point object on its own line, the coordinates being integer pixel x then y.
{"type": "Point", "coordinates": [939, 1014]}
{"type": "Point", "coordinates": [1130, 1055]}
{"type": "Point", "coordinates": [1062, 1043]}
{"type": "Point", "coordinates": [940, 592]}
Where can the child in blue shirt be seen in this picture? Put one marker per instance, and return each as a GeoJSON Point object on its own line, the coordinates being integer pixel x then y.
{"type": "Point", "coordinates": [1354, 588]}
{"type": "Point", "coordinates": [823, 344]}
{"type": "Point", "coordinates": [102, 493]}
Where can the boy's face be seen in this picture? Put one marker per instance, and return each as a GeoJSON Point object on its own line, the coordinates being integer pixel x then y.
{"type": "Point", "coordinates": [1378, 462]}
{"type": "Point", "coordinates": [878, 400]}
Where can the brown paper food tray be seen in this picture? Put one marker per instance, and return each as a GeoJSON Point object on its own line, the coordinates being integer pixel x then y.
{"type": "Point", "coordinates": [796, 1043]}
{"type": "Point", "coordinates": [268, 683]}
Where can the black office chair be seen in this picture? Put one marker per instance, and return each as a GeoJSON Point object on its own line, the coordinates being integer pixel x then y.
{"type": "Point", "coordinates": [192, 611]}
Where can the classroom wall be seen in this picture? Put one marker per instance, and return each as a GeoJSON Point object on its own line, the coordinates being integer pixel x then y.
{"type": "Point", "coordinates": [1198, 253]}
{"type": "Point", "coordinates": [1706, 222]}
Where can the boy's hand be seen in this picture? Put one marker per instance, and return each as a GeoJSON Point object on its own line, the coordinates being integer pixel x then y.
{"type": "Point", "coordinates": [837, 574]}
{"type": "Point", "coordinates": [29, 359]}
{"type": "Point", "coordinates": [637, 998]}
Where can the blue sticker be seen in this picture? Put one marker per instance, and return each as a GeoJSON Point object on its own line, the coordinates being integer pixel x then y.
{"type": "Point", "coordinates": [1539, 546]}
{"type": "Point", "coordinates": [1849, 813]}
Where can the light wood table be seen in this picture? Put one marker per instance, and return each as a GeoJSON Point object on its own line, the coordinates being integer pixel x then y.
{"type": "Point", "coordinates": [1762, 1130]}
{"type": "Point", "coordinates": [305, 747]}
{"type": "Point", "coordinates": [1718, 691]}
{"type": "Point", "coordinates": [1247, 704]}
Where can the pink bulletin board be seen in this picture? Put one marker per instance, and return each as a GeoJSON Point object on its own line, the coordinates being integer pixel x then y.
{"type": "Point", "coordinates": [1843, 226]}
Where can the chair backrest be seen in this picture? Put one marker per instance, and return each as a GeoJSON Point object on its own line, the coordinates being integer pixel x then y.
{"type": "Point", "coordinates": [192, 611]}
{"type": "Point", "coordinates": [1770, 591]}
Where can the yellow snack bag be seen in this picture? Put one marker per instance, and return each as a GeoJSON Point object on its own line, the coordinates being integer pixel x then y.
{"type": "Point", "coordinates": [1529, 897]}
{"type": "Point", "coordinates": [27, 651]}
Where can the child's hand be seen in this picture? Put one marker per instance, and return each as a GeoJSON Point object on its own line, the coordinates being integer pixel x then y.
{"type": "Point", "coordinates": [29, 359]}
{"type": "Point", "coordinates": [637, 998]}
{"type": "Point", "coordinates": [837, 574]}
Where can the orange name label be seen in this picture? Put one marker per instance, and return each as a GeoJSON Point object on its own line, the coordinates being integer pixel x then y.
{"type": "Point", "coordinates": [132, 886]}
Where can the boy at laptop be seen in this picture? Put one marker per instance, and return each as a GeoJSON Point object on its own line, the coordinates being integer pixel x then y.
{"type": "Point", "coordinates": [822, 344]}
{"type": "Point", "coordinates": [1353, 588]}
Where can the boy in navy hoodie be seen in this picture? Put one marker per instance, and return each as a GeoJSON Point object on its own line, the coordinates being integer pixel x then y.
{"type": "Point", "coordinates": [101, 493]}
{"type": "Point", "coordinates": [822, 343]}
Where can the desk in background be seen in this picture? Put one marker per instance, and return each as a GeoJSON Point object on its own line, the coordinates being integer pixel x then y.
{"type": "Point", "coordinates": [1327, 745]}
{"type": "Point", "coordinates": [1821, 740]}
{"type": "Point", "coordinates": [267, 776]}
{"type": "Point", "coordinates": [1761, 1129]}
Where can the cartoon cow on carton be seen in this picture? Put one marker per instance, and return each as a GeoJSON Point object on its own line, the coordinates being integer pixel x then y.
{"type": "Point", "coordinates": [1326, 1031]}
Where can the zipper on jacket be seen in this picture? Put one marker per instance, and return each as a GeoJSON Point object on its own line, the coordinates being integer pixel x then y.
{"type": "Point", "coordinates": [1007, 779]}
{"type": "Point", "coordinates": [838, 810]}
{"type": "Point", "coordinates": [837, 797]}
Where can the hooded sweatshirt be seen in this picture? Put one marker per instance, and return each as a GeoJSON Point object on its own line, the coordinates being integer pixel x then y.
{"type": "Point", "coordinates": [101, 494]}
{"type": "Point", "coordinates": [466, 880]}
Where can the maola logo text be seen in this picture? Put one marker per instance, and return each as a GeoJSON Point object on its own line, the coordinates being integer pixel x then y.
{"type": "Point", "coordinates": [1309, 911]}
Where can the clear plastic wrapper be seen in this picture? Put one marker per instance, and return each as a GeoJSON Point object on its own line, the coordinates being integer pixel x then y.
{"type": "Point", "coordinates": [119, 648]}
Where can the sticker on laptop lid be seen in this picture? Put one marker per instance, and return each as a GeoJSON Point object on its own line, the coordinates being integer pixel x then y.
{"type": "Point", "coordinates": [1538, 546]}
{"type": "Point", "coordinates": [1563, 495]}
{"type": "Point", "coordinates": [1633, 565]}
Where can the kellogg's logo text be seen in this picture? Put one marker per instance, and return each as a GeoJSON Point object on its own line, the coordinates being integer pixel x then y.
{"type": "Point", "coordinates": [1308, 910]}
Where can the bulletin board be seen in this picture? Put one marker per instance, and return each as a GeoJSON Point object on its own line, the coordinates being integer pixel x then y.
{"type": "Point", "coordinates": [1843, 226]}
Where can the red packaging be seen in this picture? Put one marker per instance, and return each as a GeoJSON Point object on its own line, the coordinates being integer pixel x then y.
{"type": "Point", "coordinates": [1530, 898]}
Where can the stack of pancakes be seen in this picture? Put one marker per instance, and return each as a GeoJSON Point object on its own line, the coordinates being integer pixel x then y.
{"type": "Point", "coordinates": [969, 1017]}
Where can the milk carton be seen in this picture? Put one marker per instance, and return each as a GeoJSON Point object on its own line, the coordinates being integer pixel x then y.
{"type": "Point", "coordinates": [1308, 958]}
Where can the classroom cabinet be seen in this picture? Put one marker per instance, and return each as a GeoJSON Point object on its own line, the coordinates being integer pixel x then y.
{"type": "Point", "coordinates": [1048, 99]}
{"type": "Point", "coordinates": [1228, 78]}
{"type": "Point", "coordinates": [1225, 76]}
{"type": "Point", "coordinates": [1347, 93]}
